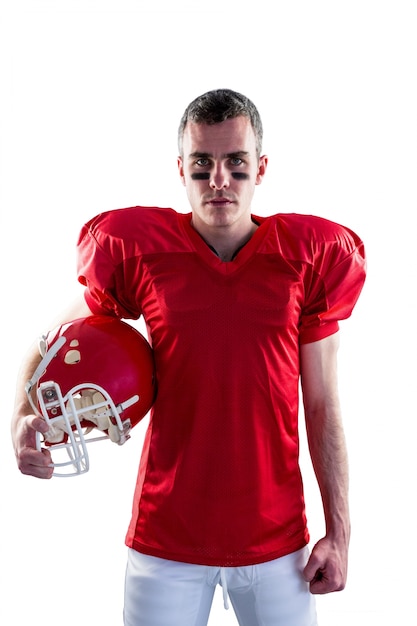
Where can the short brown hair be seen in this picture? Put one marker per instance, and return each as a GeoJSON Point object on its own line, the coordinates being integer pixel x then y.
{"type": "Point", "coordinates": [218, 105]}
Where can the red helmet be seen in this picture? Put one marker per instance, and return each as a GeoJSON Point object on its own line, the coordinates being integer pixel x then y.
{"type": "Point", "coordinates": [97, 374]}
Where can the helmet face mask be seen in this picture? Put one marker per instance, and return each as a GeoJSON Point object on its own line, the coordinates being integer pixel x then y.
{"type": "Point", "coordinates": [119, 361]}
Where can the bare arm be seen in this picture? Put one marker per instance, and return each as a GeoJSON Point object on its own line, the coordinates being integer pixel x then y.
{"type": "Point", "coordinates": [24, 422]}
{"type": "Point", "coordinates": [326, 570]}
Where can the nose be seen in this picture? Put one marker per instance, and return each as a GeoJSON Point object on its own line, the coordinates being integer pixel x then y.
{"type": "Point", "coordinates": [219, 178]}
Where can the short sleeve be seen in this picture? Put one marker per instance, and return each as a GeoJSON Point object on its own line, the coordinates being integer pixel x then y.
{"type": "Point", "coordinates": [99, 270]}
{"type": "Point", "coordinates": [333, 285]}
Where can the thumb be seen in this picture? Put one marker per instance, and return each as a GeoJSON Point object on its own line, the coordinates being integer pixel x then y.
{"type": "Point", "coordinates": [312, 567]}
{"type": "Point", "coordinates": [37, 423]}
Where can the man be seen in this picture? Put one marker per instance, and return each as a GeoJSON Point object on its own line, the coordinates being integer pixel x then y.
{"type": "Point", "coordinates": [238, 307]}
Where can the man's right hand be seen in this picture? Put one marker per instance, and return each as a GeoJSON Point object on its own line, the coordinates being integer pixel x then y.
{"type": "Point", "coordinates": [30, 460]}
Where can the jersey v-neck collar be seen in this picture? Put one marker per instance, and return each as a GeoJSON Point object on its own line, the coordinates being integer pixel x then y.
{"type": "Point", "coordinates": [210, 256]}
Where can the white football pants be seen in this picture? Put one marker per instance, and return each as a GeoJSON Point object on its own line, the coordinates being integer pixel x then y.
{"type": "Point", "coordinates": [168, 593]}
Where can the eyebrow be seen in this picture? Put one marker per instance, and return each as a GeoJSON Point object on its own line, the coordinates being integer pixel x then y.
{"type": "Point", "coordinates": [228, 155]}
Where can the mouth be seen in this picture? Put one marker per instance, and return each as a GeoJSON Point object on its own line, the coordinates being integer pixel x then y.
{"type": "Point", "coordinates": [217, 202]}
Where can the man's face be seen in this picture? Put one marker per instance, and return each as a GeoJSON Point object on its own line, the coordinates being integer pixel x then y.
{"type": "Point", "coordinates": [220, 169]}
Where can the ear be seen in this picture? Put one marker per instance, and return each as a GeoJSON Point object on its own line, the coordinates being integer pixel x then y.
{"type": "Point", "coordinates": [263, 163]}
{"type": "Point", "coordinates": [181, 169]}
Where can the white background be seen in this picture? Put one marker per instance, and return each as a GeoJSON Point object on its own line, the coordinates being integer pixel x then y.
{"type": "Point", "coordinates": [91, 96]}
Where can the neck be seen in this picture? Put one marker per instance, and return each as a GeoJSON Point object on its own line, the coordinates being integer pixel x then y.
{"type": "Point", "coordinates": [225, 243]}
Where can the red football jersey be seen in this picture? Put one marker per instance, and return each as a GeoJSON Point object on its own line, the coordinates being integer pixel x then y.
{"type": "Point", "coordinates": [219, 481]}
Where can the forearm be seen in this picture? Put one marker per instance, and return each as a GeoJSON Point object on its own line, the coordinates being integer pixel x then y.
{"type": "Point", "coordinates": [22, 406]}
{"type": "Point", "coordinates": [330, 462]}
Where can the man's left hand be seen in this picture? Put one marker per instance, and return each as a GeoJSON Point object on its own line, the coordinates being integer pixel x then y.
{"type": "Point", "coordinates": [326, 570]}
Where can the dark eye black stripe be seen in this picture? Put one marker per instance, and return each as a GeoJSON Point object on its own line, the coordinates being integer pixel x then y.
{"type": "Point", "coordinates": [240, 175]}
{"type": "Point", "coordinates": [200, 176]}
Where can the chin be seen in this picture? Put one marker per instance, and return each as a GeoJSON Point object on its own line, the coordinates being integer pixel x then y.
{"type": "Point", "coordinates": [222, 216]}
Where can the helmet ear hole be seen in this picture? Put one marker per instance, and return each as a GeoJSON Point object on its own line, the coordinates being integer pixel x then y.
{"type": "Point", "coordinates": [72, 357]}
